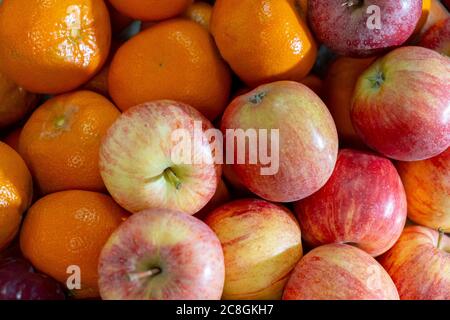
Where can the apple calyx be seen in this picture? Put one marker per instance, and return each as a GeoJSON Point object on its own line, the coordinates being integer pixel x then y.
{"type": "Point", "coordinates": [143, 275]}
{"type": "Point", "coordinates": [170, 175]}
{"type": "Point", "coordinates": [377, 80]}
{"type": "Point", "coordinates": [257, 98]}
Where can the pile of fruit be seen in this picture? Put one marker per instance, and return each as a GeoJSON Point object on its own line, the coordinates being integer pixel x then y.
{"type": "Point", "coordinates": [342, 188]}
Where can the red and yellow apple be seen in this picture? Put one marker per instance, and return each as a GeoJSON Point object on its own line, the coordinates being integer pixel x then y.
{"type": "Point", "coordinates": [137, 159]}
{"type": "Point", "coordinates": [261, 244]}
{"type": "Point", "coordinates": [307, 140]}
{"type": "Point", "coordinates": [419, 264]}
{"type": "Point", "coordinates": [401, 104]}
{"type": "Point", "coordinates": [339, 85]}
{"type": "Point", "coordinates": [427, 186]}
{"type": "Point", "coordinates": [162, 255]}
{"type": "Point", "coordinates": [363, 203]}
{"type": "Point", "coordinates": [221, 197]}
{"type": "Point", "coordinates": [339, 272]}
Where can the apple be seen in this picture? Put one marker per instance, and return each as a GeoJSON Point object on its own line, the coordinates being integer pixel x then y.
{"type": "Point", "coordinates": [221, 197]}
{"type": "Point", "coordinates": [401, 104]}
{"type": "Point", "coordinates": [339, 272]}
{"type": "Point", "coordinates": [137, 163]}
{"type": "Point", "coordinates": [305, 151]}
{"type": "Point", "coordinates": [437, 13]}
{"type": "Point", "coordinates": [162, 255]}
{"type": "Point", "coordinates": [427, 186]}
{"type": "Point", "coordinates": [340, 82]}
{"type": "Point", "coordinates": [363, 203]}
{"type": "Point", "coordinates": [355, 27]}
{"type": "Point", "coordinates": [419, 264]}
{"type": "Point", "coordinates": [261, 244]}
{"type": "Point", "coordinates": [438, 37]}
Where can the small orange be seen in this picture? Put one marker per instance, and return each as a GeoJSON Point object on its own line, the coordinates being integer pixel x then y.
{"type": "Point", "coordinates": [263, 40]}
{"type": "Point", "coordinates": [15, 102]}
{"type": "Point", "coordinates": [199, 12]}
{"type": "Point", "coordinates": [151, 10]}
{"type": "Point", "coordinates": [176, 60]}
{"type": "Point", "coordinates": [69, 228]}
{"type": "Point", "coordinates": [16, 191]}
{"type": "Point", "coordinates": [53, 46]}
{"type": "Point", "coordinates": [61, 141]}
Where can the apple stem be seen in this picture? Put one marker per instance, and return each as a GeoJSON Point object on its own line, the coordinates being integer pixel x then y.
{"type": "Point", "coordinates": [142, 275]}
{"type": "Point", "coordinates": [351, 3]}
{"type": "Point", "coordinates": [172, 177]}
{"type": "Point", "coordinates": [441, 235]}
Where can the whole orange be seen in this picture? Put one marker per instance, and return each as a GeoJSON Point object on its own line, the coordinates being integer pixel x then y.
{"type": "Point", "coordinates": [339, 85]}
{"type": "Point", "coordinates": [67, 229]}
{"type": "Point", "coordinates": [16, 191]}
{"type": "Point", "coordinates": [151, 10]}
{"type": "Point", "coordinates": [61, 141]}
{"type": "Point", "coordinates": [176, 60]}
{"type": "Point", "coordinates": [263, 40]}
{"type": "Point", "coordinates": [15, 102]}
{"type": "Point", "coordinates": [53, 46]}
{"type": "Point", "coordinates": [199, 12]}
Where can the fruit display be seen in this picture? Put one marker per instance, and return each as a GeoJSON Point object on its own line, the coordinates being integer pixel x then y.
{"type": "Point", "coordinates": [224, 150]}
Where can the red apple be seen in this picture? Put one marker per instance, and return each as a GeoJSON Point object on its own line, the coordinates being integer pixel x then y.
{"type": "Point", "coordinates": [307, 142]}
{"type": "Point", "coordinates": [339, 272]}
{"type": "Point", "coordinates": [162, 255]}
{"type": "Point", "coordinates": [363, 203]}
{"type": "Point", "coordinates": [401, 104]}
{"type": "Point", "coordinates": [438, 37]}
{"type": "Point", "coordinates": [339, 85]}
{"type": "Point", "coordinates": [419, 264]}
{"type": "Point", "coordinates": [261, 244]}
{"type": "Point", "coordinates": [137, 165]}
{"type": "Point", "coordinates": [221, 197]}
{"type": "Point", "coordinates": [356, 28]}
{"type": "Point", "coordinates": [427, 186]}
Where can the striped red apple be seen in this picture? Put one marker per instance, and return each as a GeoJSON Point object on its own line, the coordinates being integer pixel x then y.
{"type": "Point", "coordinates": [401, 104]}
{"type": "Point", "coordinates": [363, 203]}
{"type": "Point", "coordinates": [419, 264]}
{"type": "Point", "coordinates": [339, 272]}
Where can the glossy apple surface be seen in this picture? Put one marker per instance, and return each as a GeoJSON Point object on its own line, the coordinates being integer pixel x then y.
{"type": "Point", "coordinates": [307, 143]}
{"type": "Point", "coordinates": [401, 104]}
{"type": "Point", "coordinates": [137, 163]}
{"type": "Point", "coordinates": [419, 266]}
{"type": "Point", "coordinates": [339, 272]}
{"type": "Point", "coordinates": [261, 244]}
{"type": "Point", "coordinates": [162, 255]}
{"type": "Point", "coordinates": [347, 26]}
{"type": "Point", "coordinates": [438, 37]}
{"type": "Point", "coordinates": [363, 203]}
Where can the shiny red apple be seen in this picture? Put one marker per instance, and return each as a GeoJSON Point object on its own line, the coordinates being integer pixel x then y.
{"type": "Point", "coordinates": [363, 203]}
{"type": "Point", "coordinates": [361, 28]}
{"type": "Point", "coordinates": [401, 104]}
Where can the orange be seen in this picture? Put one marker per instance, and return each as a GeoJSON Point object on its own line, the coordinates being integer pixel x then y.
{"type": "Point", "coordinates": [151, 10]}
{"type": "Point", "coordinates": [12, 139]}
{"type": "Point", "coordinates": [15, 102]}
{"type": "Point", "coordinates": [175, 60]}
{"type": "Point", "coordinates": [53, 46]}
{"type": "Point", "coordinates": [199, 12]}
{"type": "Point", "coordinates": [69, 228]}
{"type": "Point", "coordinates": [61, 141]}
{"type": "Point", "coordinates": [263, 40]}
{"type": "Point", "coordinates": [16, 191]}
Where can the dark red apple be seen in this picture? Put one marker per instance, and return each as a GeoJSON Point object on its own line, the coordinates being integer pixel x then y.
{"type": "Point", "coordinates": [363, 27]}
{"type": "Point", "coordinates": [438, 37]}
{"type": "Point", "coordinates": [363, 203]}
{"type": "Point", "coordinates": [401, 104]}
